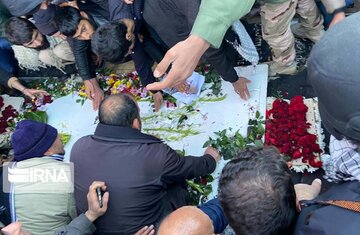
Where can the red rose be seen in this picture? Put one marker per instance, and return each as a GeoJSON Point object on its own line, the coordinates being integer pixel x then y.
{"type": "Point", "coordinates": [203, 180]}
{"type": "Point", "coordinates": [47, 99]}
{"type": "Point", "coordinates": [287, 148]}
{"type": "Point", "coordinates": [9, 112]}
{"type": "Point", "coordinates": [297, 154]}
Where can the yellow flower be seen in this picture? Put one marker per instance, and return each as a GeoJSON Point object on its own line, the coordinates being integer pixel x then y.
{"type": "Point", "coordinates": [117, 84]}
{"type": "Point", "coordinates": [82, 94]}
{"type": "Point", "coordinates": [111, 81]}
{"type": "Point", "coordinates": [114, 91]}
{"type": "Point", "coordinates": [128, 84]}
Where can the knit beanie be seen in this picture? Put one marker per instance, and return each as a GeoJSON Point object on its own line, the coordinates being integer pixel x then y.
{"type": "Point", "coordinates": [334, 72]}
{"type": "Point", "coordinates": [32, 139]}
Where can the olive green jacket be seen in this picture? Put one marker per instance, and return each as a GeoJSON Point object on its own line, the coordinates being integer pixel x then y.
{"type": "Point", "coordinates": [43, 207]}
{"type": "Point", "coordinates": [215, 17]}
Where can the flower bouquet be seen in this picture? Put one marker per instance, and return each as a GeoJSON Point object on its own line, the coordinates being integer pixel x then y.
{"type": "Point", "coordinates": [288, 128]}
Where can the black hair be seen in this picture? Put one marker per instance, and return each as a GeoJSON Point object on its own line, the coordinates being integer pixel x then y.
{"type": "Point", "coordinates": [67, 20]}
{"type": "Point", "coordinates": [257, 193]}
{"type": "Point", "coordinates": [18, 30]}
{"type": "Point", "coordinates": [109, 42]}
{"type": "Point", "coordinates": [118, 110]}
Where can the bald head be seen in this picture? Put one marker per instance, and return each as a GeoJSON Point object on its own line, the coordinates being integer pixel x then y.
{"type": "Point", "coordinates": [187, 220]}
{"type": "Point", "coordinates": [118, 110]}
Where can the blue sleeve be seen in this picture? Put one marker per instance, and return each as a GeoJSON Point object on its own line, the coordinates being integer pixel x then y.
{"type": "Point", "coordinates": [214, 210]}
{"type": "Point", "coordinates": [8, 62]}
{"type": "Point", "coordinates": [120, 10]}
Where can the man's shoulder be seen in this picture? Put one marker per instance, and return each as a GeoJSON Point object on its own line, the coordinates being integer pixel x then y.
{"type": "Point", "coordinates": [82, 144]}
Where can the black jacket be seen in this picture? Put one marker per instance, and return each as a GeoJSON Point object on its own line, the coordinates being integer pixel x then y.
{"type": "Point", "coordinates": [102, 12]}
{"type": "Point", "coordinates": [98, 15]}
{"type": "Point", "coordinates": [21, 8]}
{"type": "Point", "coordinates": [137, 168]}
{"type": "Point", "coordinates": [331, 220]}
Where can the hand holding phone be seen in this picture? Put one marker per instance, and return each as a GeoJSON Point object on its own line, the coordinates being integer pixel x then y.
{"type": "Point", "coordinates": [97, 200]}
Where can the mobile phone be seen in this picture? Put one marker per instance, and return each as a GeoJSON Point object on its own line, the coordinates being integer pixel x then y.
{"type": "Point", "coordinates": [99, 196]}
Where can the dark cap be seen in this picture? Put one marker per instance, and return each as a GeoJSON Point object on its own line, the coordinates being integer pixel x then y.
{"type": "Point", "coordinates": [334, 72]}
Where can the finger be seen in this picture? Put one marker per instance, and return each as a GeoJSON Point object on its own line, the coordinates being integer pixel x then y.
{"type": "Point", "coordinates": [128, 36]}
{"type": "Point", "coordinates": [316, 185]}
{"type": "Point", "coordinates": [141, 231]}
{"type": "Point", "coordinates": [96, 103]}
{"type": "Point", "coordinates": [159, 85]}
{"type": "Point", "coordinates": [96, 184]}
{"type": "Point", "coordinates": [247, 93]}
{"type": "Point", "coordinates": [164, 64]}
{"type": "Point", "coordinates": [31, 96]}
{"type": "Point", "coordinates": [105, 199]}
{"type": "Point", "coordinates": [148, 231]}
{"type": "Point", "coordinates": [89, 94]}
{"type": "Point", "coordinates": [42, 92]}
{"type": "Point", "coordinates": [242, 95]}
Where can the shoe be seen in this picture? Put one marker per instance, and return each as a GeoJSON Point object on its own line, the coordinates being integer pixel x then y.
{"type": "Point", "coordinates": [276, 68]}
{"type": "Point", "coordinates": [300, 32]}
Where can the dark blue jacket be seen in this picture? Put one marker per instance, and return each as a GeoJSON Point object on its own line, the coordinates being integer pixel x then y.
{"type": "Point", "coordinates": [214, 210]}
{"type": "Point", "coordinates": [8, 63]}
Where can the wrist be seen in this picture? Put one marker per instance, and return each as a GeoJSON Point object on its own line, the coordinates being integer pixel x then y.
{"type": "Point", "coordinates": [91, 216]}
{"type": "Point", "coordinates": [12, 82]}
{"type": "Point", "coordinates": [339, 10]}
{"type": "Point", "coordinates": [200, 43]}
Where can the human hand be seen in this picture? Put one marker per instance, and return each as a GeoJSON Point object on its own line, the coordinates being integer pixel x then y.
{"type": "Point", "coordinates": [332, 5]}
{"type": "Point", "coordinates": [129, 1]}
{"type": "Point", "coordinates": [94, 92]}
{"type": "Point", "coordinates": [158, 100]}
{"type": "Point", "coordinates": [70, 4]}
{"type": "Point", "coordinates": [130, 24]}
{"type": "Point", "coordinates": [59, 35]}
{"type": "Point", "coordinates": [183, 87]}
{"type": "Point", "coordinates": [14, 229]}
{"type": "Point", "coordinates": [241, 88]}
{"type": "Point", "coordinates": [213, 152]}
{"type": "Point", "coordinates": [147, 230]}
{"type": "Point", "coordinates": [306, 191]}
{"type": "Point", "coordinates": [44, 5]}
{"type": "Point", "coordinates": [337, 18]}
{"type": "Point", "coordinates": [94, 211]}
{"type": "Point", "coordinates": [34, 92]}
{"type": "Point", "coordinates": [184, 57]}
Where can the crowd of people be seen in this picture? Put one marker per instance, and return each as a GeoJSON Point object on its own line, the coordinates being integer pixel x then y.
{"type": "Point", "coordinates": [124, 181]}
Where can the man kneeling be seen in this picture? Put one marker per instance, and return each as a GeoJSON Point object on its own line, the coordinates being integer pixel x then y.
{"type": "Point", "coordinates": [145, 177]}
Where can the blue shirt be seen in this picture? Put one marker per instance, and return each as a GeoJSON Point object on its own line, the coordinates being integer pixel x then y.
{"type": "Point", "coordinates": [214, 210]}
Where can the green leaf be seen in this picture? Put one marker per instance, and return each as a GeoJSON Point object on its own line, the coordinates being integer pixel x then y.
{"type": "Point", "coordinates": [208, 142]}
{"type": "Point", "coordinates": [182, 118]}
{"type": "Point", "coordinates": [64, 138]}
{"type": "Point", "coordinates": [257, 115]}
{"type": "Point", "coordinates": [180, 152]}
{"type": "Point", "coordinates": [259, 143]}
{"type": "Point", "coordinates": [39, 116]}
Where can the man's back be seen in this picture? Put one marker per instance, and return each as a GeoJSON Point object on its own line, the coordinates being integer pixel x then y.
{"type": "Point", "coordinates": [42, 207]}
{"type": "Point", "coordinates": [137, 169]}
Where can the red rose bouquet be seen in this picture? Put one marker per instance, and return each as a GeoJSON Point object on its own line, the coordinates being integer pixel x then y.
{"type": "Point", "coordinates": [288, 130]}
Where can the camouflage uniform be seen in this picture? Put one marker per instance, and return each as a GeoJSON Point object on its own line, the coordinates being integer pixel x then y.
{"type": "Point", "coordinates": [276, 16]}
